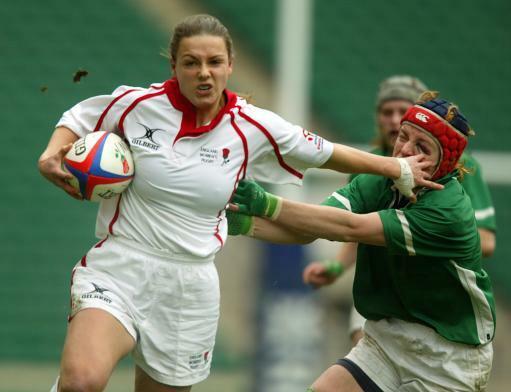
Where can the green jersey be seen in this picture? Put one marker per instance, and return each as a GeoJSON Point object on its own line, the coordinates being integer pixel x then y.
{"type": "Point", "coordinates": [473, 184]}
{"type": "Point", "coordinates": [479, 193]}
{"type": "Point", "coordinates": [430, 270]}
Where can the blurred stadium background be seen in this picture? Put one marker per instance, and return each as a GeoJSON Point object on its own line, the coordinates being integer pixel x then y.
{"type": "Point", "coordinates": [272, 329]}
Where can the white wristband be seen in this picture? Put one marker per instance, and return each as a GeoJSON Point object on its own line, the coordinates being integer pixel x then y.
{"type": "Point", "coordinates": [405, 183]}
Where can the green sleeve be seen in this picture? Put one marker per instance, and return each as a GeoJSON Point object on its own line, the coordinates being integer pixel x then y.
{"type": "Point", "coordinates": [359, 195]}
{"type": "Point", "coordinates": [441, 224]}
{"type": "Point", "coordinates": [479, 194]}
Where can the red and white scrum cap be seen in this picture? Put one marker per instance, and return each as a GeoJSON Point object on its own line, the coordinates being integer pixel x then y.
{"type": "Point", "coordinates": [451, 129]}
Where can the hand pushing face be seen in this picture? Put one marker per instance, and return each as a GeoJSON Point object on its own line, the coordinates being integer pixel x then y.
{"type": "Point", "coordinates": [413, 141]}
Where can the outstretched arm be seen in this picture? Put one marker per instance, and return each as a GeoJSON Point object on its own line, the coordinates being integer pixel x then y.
{"type": "Point", "coordinates": [263, 229]}
{"type": "Point", "coordinates": [307, 219]}
{"type": "Point", "coordinates": [331, 223]}
{"type": "Point", "coordinates": [407, 173]}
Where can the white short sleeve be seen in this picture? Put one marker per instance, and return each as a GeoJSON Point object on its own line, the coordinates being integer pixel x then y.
{"type": "Point", "coordinates": [104, 110]}
{"type": "Point", "coordinates": [293, 150]}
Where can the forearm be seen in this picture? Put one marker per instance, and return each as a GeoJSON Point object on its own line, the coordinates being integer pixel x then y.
{"type": "Point", "coordinates": [60, 137]}
{"type": "Point", "coordinates": [347, 254]}
{"type": "Point", "coordinates": [322, 221]}
{"type": "Point", "coordinates": [331, 223]}
{"type": "Point", "coordinates": [266, 230]}
{"type": "Point", "coordinates": [350, 160]}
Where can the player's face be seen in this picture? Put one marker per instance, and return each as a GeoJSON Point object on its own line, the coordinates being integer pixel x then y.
{"type": "Point", "coordinates": [388, 119]}
{"type": "Point", "coordinates": [412, 141]}
{"type": "Point", "coordinates": [202, 68]}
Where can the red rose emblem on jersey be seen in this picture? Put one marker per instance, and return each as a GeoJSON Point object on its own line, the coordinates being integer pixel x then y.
{"type": "Point", "coordinates": [225, 155]}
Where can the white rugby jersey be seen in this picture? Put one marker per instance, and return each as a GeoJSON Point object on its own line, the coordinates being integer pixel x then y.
{"type": "Point", "coordinates": [184, 175]}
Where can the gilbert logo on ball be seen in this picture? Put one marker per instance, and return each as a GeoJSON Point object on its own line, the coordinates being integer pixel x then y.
{"type": "Point", "coordinates": [101, 164]}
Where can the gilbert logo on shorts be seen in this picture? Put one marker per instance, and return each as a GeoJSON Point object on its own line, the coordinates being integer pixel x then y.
{"type": "Point", "coordinates": [314, 139]}
{"type": "Point", "coordinates": [147, 140]}
{"type": "Point", "coordinates": [97, 293]}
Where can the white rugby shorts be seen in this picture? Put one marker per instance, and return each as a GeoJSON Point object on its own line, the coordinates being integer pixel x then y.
{"type": "Point", "coordinates": [169, 303]}
{"type": "Point", "coordinates": [403, 356]}
{"type": "Point", "coordinates": [356, 322]}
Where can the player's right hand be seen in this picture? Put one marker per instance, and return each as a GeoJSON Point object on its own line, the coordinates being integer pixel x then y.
{"type": "Point", "coordinates": [51, 168]}
{"type": "Point", "coordinates": [321, 273]}
{"type": "Point", "coordinates": [414, 174]}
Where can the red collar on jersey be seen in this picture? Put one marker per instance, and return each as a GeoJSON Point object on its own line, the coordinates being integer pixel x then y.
{"type": "Point", "coordinates": [181, 103]}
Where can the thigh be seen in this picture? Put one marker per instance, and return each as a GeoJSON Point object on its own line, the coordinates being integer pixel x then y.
{"type": "Point", "coordinates": [95, 342]}
{"type": "Point", "coordinates": [144, 383]}
{"type": "Point", "coordinates": [336, 379]}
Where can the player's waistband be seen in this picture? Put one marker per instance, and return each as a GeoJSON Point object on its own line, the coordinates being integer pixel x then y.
{"type": "Point", "coordinates": [163, 253]}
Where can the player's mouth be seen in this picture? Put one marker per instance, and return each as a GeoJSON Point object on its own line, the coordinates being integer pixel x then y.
{"type": "Point", "coordinates": [204, 89]}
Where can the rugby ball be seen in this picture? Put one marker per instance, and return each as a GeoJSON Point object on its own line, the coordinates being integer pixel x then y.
{"type": "Point", "coordinates": [101, 164]}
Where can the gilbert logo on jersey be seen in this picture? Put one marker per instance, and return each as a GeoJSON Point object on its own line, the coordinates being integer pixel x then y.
{"type": "Point", "coordinates": [147, 140]}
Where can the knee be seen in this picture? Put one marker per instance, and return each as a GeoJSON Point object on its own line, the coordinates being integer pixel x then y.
{"type": "Point", "coordinates": [82, 380]}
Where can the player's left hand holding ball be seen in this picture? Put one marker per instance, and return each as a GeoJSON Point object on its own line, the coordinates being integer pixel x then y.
{"type": "Point", "coordinates": [51, 168]}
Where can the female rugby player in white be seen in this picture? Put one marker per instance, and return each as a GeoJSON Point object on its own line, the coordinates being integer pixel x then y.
{"type": "Point", "coordinates": [150, 287]}
{"type": "Point", "coordinates": [419, 280]}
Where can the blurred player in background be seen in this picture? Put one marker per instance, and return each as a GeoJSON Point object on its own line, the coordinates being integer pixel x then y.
{"type": "Point", "coordinates": [150, 286]}
{"type": "Point", "coordinates": [419, 279]}
{"type": "Point", "coordinates": [396, 94]}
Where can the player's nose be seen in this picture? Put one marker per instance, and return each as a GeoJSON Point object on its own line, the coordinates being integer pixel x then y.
{"type": "Point", "coordinates": [204, 71]}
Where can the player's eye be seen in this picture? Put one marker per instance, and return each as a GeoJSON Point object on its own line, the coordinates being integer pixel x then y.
{"type": "Point", "coordinates": [423, 149]}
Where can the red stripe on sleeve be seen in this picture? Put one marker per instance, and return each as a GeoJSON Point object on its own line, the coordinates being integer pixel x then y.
{"type": "Point", "coordinates": [273, 143]}
{"type": "Point", "coordinates": [105, 112]}
{"type": "Point", "coordinates": [132, 106]}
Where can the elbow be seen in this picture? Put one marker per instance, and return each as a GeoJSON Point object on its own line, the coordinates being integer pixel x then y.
{"type": "Point", "coordinates": [305, 240]}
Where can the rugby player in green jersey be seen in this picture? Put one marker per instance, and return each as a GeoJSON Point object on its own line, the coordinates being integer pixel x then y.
{"type": "Point", "coordinates": [418, 281]}
{"type": "Point", "coordinates": [395, 95]}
